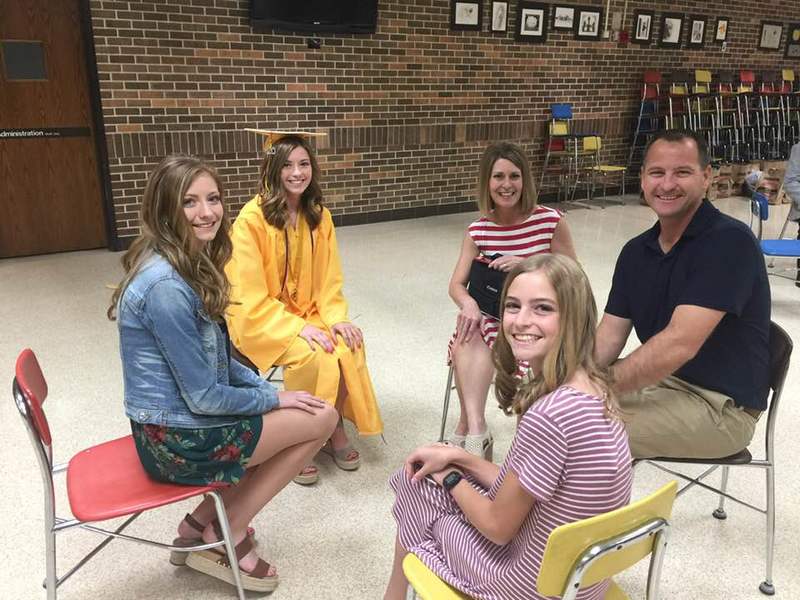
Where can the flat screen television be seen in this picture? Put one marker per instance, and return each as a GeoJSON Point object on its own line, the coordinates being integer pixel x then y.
{"type": "Point", "coordinates": [338, 16]}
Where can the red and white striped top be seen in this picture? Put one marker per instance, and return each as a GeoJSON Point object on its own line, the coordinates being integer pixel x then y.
{"type": "Point", "coordinates": [568, 455]}
{"type": "Point", "coordinates": [530, 237]}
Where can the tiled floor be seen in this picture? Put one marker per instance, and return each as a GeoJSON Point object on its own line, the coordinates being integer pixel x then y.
{"type": "Point", "coordinates": [335, 540]}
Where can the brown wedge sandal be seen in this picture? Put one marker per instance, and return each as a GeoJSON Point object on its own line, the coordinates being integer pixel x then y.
{"type": "Point", "coordinates": [215, 563]}
{"type": "Point", "coordinates": [178, 558]}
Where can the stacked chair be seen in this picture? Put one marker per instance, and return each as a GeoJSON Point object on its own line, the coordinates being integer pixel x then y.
{"type": "Point", "coordinates": [557, 158]}
{"type": "Point", "coordinates": [744, 115]}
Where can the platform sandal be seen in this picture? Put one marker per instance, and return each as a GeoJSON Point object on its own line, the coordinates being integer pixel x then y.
{"type": "Point", "coordinates": [178, 558]}
{"type": "Point", "coordinates": [215, 563]}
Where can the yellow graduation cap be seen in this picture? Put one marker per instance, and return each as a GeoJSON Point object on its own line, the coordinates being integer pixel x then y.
{"type": "Point", "coordinates": [273, 135]}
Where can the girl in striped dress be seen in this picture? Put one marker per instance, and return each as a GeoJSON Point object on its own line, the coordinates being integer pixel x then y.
{"type": "Point", "coordinates": [514, 226]}
{"type": "Point", "coordinates": [481, 527]}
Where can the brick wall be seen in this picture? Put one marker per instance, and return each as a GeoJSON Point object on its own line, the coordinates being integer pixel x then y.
{"type": "Point", "coordinates": [408, 109]}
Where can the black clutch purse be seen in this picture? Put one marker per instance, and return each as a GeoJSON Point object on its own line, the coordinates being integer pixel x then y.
{"type": "Point", "coordinates": [485, 285]}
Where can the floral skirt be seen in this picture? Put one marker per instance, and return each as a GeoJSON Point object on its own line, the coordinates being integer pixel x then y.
{"type": "Point", "coordinates": [197, 456]}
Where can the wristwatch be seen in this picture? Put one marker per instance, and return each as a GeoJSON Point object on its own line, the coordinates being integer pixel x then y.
{"type": "Point", "coordinates": [451, 480]}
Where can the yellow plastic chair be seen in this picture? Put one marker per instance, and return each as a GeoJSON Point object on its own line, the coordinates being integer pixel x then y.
{"type": "Point", "coordinates": [583, 553]}
{"type": "Point", "coordinates": [591, 147]}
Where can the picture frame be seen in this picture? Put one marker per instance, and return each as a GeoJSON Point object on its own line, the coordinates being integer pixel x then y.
{"type": "Point", "coordinates": [696, 35]}
{"type": "Point", "coordinates": [499, 17]}
{"type": "Point", "coordinates": [588, 23]}
{"type": "Point", "coordinates": [466, 16]}
{"type": "Point", "coordinates": [671, 30]}
{"type": "Point", "coordinates": [532, 21]}
{"type": "Point", "coordinates": [721, 30]}
{"type": "Point", "coordinates": [563, 17]}
{"type": "Point", "coordinates": [793, 41]}
{"type": "Point", "coordinates": [770, 36]}
{"type": "Point", "coordinates": [643, 21]}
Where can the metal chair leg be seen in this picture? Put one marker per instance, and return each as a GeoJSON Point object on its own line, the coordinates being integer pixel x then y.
{"type": "Point", "coordinates": [446, 406]}
{"type": "Point", "coordinates": [766, 586]}
{"type": "Point", "coordinates": [720, 513]}
{"type": "Point", "coordinates": [222, 517]}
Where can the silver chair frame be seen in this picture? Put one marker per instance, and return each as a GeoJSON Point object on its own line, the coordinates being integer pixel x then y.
{"type": "Point", "coordinates": [54, 524]}
{"type": "Point", "coordinates": [447, 391]}
{"type": "Point", "coordinates": [659, 528]}
{"type": "Point", "coordinates": [780, 342]}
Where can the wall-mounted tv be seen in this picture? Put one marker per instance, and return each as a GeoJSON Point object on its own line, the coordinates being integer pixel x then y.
{"type": "Point", "coordinates": [339, 16]}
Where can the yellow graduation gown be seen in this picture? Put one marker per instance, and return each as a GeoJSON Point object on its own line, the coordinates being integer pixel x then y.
{"type": "Point", "coordinates": [271, 304]}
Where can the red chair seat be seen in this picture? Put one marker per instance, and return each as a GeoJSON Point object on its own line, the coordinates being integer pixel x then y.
{"type": "Point", "coordinates": [108, 481]}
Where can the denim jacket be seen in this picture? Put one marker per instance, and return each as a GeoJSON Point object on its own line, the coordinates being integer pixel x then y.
{"type": "Point", "coordinates": [176, 359]}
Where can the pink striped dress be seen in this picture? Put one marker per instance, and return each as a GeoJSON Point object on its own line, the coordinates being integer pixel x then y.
{"type": "Point", "coordinates": [567, 454]}
{"type": "Point", "coordinates": [532, 236]}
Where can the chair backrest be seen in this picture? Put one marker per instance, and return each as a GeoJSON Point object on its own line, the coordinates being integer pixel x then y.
{"type": "Point", "coordinates": [559, 128]}
{"type": "Point", "coordinates": [702, 81]}
{"type": "Point", "coordinates": [787, 81]}
{"type": "Point", "coordinates": [555, 144]}
{"type": "Point", "coordinates": [770, 81]}
{"type": "Point", "coordinates": [32, 389]}
{"type": "Point", "coordinates": [747, 80]}
{"type": "Point", "coordinates": [588, 551]}
{"type": "Point", "coordinates": [780, 351]}
{"type": "Point", "coordinates": [651, 85]}
{"type": "Point", "coordinates": [652, 76]}
{"type": "Point", "coordinates": [561, 111]}
{"type": "Point", "coordinates": [592, 143]}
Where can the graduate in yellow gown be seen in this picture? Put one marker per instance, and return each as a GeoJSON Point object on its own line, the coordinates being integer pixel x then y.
{"type": "Point", "coordinates": [286, 289]}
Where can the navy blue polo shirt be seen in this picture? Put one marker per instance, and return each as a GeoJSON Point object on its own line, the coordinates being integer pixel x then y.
{"type": "Point", "coordinates": [717, 264]}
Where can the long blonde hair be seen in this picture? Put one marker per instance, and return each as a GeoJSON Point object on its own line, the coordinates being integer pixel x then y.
{"type": "Point", "coordinates": [574, 345]}
{"type": "Point", "coordinates": [166, 231]}
{"type": "Point", "coordinates": [273, 196]}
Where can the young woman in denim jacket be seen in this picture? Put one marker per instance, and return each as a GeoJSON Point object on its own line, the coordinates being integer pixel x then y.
{"type": "Point", "coordinates": [197, 415]}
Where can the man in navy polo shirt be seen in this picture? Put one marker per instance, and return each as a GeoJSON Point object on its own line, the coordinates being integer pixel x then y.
{"type": "Point", "coordinates": [694, 287]}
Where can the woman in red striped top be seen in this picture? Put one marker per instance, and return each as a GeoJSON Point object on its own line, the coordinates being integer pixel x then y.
{"type": "Point", "coordinates": [513, 225]}
{"type": "Point", "coordinates": [482, 527]}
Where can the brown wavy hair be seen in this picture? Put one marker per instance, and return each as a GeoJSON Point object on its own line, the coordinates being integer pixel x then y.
{"type": "Point", "coordinates": [273, 196]}
{"type": "Point", "coordinates": [574, 345]}
{"type": "Point", "coordinates": [516, 155]}
{"type": "Point", "coordinates": [166, 231]}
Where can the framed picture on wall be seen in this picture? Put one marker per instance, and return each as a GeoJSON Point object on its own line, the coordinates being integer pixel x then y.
{"type": "Point", "coordinates": [697, 32]}
{"type": "Point", "coordinates": [721, 30]}
{"type": "Point", "coordinates": [643, 26]}
{"type": "Point", "coordinates": [793, 41]}
{"type": "Point", "coordinates": [770, 38]}
{"type": "Point", "coordinates": [531, 22]}
{"type": "Point", "coordinates": [465, 15]}
{"type": "Point", "coordinates": [588, 23]}
{"type": "Point", "coordinates": [563, 17]}
{"type": "Point", "coordinates": [671, 29]}
{"type": "Point", "coordinates": [499, 16]}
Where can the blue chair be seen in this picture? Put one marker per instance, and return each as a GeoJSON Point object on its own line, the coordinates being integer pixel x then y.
{"type": "Point", "coordinates": [558, 130]}
{"type": "Point", "coordinates": [781, 248]}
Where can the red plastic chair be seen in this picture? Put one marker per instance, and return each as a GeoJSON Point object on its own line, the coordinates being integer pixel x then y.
{"type": "Point", "coordinates": [103, 482]}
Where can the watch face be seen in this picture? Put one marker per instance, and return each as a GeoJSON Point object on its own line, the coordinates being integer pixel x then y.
{"type": "Point", "coordinates": [451, 480]}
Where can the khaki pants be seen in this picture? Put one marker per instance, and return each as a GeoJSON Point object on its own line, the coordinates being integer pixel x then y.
{"type": "Point", "coordinates": [677, 419]}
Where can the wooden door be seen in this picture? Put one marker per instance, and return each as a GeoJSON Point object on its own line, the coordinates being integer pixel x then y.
{"type": "Point", "coordinates": [49, 184]}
